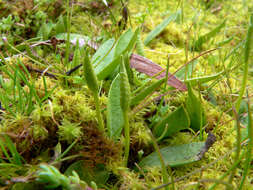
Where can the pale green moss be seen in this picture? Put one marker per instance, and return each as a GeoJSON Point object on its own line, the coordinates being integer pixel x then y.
{"type": "Point", "coordinates": [69, 131]}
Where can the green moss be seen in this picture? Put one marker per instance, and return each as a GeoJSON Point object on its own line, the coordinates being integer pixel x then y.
{"type": "Point", "coordinates": [69, 113]}
{"type": "Point", "coordinates": [69, 131]}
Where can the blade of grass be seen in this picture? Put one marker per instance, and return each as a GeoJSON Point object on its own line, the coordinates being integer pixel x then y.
{"type": "Point", "coordinates": [15, 155]}
{"type": "Point", "coordinates": [161, 27]}
{"type": "Point", "coordinates": [242, 90]}
{"type": "Point", "coordinates": [248, 158]}
{"type": "Point", "coordinates": [206, 37]}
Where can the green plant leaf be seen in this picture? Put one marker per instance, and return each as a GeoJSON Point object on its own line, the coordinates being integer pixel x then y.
{"type": "Point", "coordinates": [115, 118]}
{"type": "Point", "coordinates": [161, 27]}
{"type": "Point", "coordinates": [175, 155]}
{"type": "Point", "coordinates": [145, 92]}
{"type": "Point", "coordinates": [129, 70]}
{"type": "Point", "coordinates": [224, 42]}
{"type": "Point", "coordinates": [195, 110]}
{"type": "Point", "coordinates": [104, 70]}
{"type": "Point", "coordinates": [60, 26]}
{"type": "Point", "coordinates": [89, 74]}
{"type": "Point", "coordinates": [123, 43]}
{"type": "Point", "coordinates": [111, 60]}
{"type": "Point", "coordinates": [17, 159]}
{"type": "Point", "coordinates": [139, 45]}
{"type": "Point", "coordinates": [45, 30]}
{"type": "Point", "coordinates": [204, 79]}
{"type": "Point", "coordinates": [88, 174]}
{"type": "Point", "coordinates": [104, 52]}
{"type": "Point", "coordinates": [197, 45]}
{"type": "Point", "coordinates": [175, 121]}
{"type": "Point", "coordinates": [125, 93]}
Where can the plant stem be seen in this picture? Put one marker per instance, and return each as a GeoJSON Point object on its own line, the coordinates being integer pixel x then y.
{"type": "Point", "coordinates": [127, 137]}
{"type": "Point", "coordinates": [164, 170]}
{"type": "Point", "coordinates": [246, 64]}
{"type": "Point", "coordinates": [250, 147]}
{"type": "Point", "coordinates": [68, 34]}
{"type": "Point", "coordinates": [238, 144]}
{"type": "Point", "coordinates": [242, 90]}
{"type": "Point", "coordinates": [98, 112]}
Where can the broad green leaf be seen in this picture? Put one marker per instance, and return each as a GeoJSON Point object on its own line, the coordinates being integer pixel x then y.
{"type": "Point", "coordinates": [172, 123]}
{"type": "Point", "coordinates": [195, 110]}
{"type": "Point", "coordinates": [202, 80]}
{"type": "Point", "coordinates": [161, 27]}
{"type": "Point", "coordinates": [60, 26]}
{"type": "Point", "coordinates": [104, 70]}
{"type": "Point", "coordinates": [124, 44]}
{"type": "Point", "coordinates": [104, 52]}
{"type": "Point", "coordinates": [145, 92]}
{"type": "Point", "coordinates": [175, 155]}
{"type": "Point", "coordinates": [206, 37]}
{"type": "Point", "coordinates": [115, 118]}
{"type": "Point", "coordinates": [86, 173]}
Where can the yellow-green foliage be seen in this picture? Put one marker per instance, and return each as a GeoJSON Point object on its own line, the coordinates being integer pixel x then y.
{"type": "Point", "coordinates": [69, 131]}
{"type": "Point", "coordinates": [69, 113]}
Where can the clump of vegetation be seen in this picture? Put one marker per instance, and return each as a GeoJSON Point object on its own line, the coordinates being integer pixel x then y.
{"type": "Point", "coordinates": [126, 95]}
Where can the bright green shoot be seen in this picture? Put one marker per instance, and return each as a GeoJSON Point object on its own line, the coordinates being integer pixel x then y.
{"type": "Point", "coordinates": [9, 150]}
{"type": "Point", "coordinates": [92, 83]}
{"type": "Point", "coordinates": [125, 103]}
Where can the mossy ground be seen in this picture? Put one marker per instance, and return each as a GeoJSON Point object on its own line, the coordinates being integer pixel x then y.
{"type": "Point", "coordinates": [70, 114]}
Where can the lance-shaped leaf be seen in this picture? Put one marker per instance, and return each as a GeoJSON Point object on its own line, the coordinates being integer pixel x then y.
{"type": "Point", "coordinates": [204, 79]}
{"type": "Point", "coordinates": [92, 83]}
{"type": "Point", "coordinates": [124, 103]}
{"type": "Point", "coordinates": [124, 88]}
{"type": "Point", "coordinates": [202, 39]}
{"type": "Point", "coordinates": [60, 26]}
{"type": "Point", "coordinates": [115, 118]}
{"type": "Point", "coordinates": [104, 52]}
{"type": "Point", "coordinates": [161, 27]}
{"type": "Point", "coordinates": [89, 74]}
{"type": "Point", "coordinates": [108, 64]}
{"type": "Point", "coordinates": [147, 91]}
{"type": "Point", "coordinates": [195, 110]}
{"type": "Point", "coordinates": [172, 123]}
